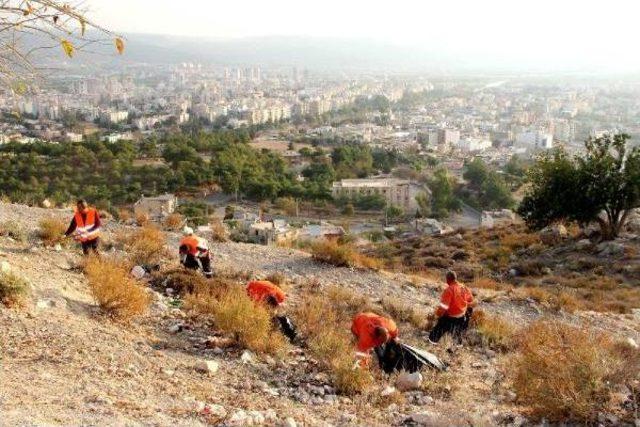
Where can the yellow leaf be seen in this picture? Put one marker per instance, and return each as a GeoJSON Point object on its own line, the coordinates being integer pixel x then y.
{"type": "Point", "coordinates": [28, 10]}
{"type": "Point", "coordinates": [20, 88]}
{"type": "Point", "coordinates": [119, 45]}
{"type": "Point", "coordinates": [83, 26]}
{"type": "Point", "coordinates": [68, 48]}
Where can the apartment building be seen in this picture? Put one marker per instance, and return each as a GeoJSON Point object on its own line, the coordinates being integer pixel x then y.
{"type": "Point", "coordinates": [398, 192]}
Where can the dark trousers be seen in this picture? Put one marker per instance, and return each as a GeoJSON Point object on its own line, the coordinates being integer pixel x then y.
{"type": "Point", "coordinates": [451, 325]}
{"type": "Point", "coordinates": [90, 246]}
{"type": "Point", "coordinates": [193, 263]}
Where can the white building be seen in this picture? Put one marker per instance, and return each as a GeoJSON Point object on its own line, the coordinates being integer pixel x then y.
{"type": "Point", "coordinates": [533, 140]}
{"type": "Point", "coordinates": [398, 192]}
{"type": "Point", "coordinates": [474, 144]}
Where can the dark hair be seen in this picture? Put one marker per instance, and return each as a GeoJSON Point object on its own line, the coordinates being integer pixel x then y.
{"type": "Point", "coordinates": [272, 301]}
{"type": "Point", "coordinates": [451, 276]}
{"type": "Point", "coordinates": [380, 332]}
{"type": "Point", "coordinates": [79, 201]}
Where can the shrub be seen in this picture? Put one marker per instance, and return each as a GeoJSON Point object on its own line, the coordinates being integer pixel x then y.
{"type": "Point", "coordinates": [51, 231]}
{"type": "Point", "coordinates": [565, 373]}
{"type": "Point", "coordinates": [142, 219]}
{"type": "Point", "coordinates": [330, 342]}
{"type": "Point", "coordinates": [181, 280]}
{"type": "Point", "coordinates": [145, 246]}
{"type": "Point", "coordinates": [342, 255]}
{"type": "Point", "coordinates": [13, 288]}
{"type": "Point", "coordinates": [251, 323]}
{"type": "Point", "coordinates": [495, 331]}
{"type": "Point", "coordinates": [14, 230]}
{"type": "Point", "coordinates": [173, 222]}
{"type": "Point", "coordinates": [219, 231]}
{"type": "Point", "coordinates": [403, 312]}
{"type": "Point", "coordinates": [124, 215]}
{"type": "Point", "coordinates": [115, 291]}
{"type": "Point", "coordinates": [277, 278]}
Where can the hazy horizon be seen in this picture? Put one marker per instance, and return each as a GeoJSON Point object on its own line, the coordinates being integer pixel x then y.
{"type": "Point", "coordinates": [543, 34]}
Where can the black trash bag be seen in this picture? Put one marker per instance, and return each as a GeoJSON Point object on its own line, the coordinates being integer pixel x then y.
{"type": "Point", "coordinates": [394, 356]}
{"type": "Point", "coordinates": [287, 327]}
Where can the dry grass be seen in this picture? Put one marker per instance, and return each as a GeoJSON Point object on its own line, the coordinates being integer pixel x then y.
{"type": "Point", "coordinates": [218, 231]}
{"type": "Point", "coordinates": [145, 246]}
{"type": "Point", "coordinates": [115, 291]}
{"type": "Point", "coordinates": [489, 283]}
{"type": "Point", "coordinates": [342, 255]}
{"type": "Point", "coordinates": [565, 373]}
{"type": "Point", "coordinates": [250, 323]}
{"type": "Point", "coordinates": [348, 303]}
{"type": "Point", "coordinates": [51, 231]}
{"type": "Point", "coordinates": [519, 240]}
{"type": "Point", "coordinates": [404, 312]}
{"type": "Point", "coordinates": [181, 280]}
{"type": "Point", "coordinates": [329, 341]}
{"type": "Point", "coordinates": [13, 230]}
{"type": "Point", "coordinates": [13, 289]}
{"type": "Point", "coordinates": [142, 219]}
{"type": "Point", "coordinates": [173, 222]}
{"type": "Point", "coordinates": [495, 332]}
{"type": "Point", "coordinates": [277, 278]}
{"type": "Point", "coordinates": [440, 385]}
{"type": "Point", "coordinates": [124, 215]}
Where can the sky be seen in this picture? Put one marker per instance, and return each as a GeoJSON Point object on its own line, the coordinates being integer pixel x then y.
{"type": "Point", "coordinates": [595, 33]}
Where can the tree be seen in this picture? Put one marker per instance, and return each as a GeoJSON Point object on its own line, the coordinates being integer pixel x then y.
{"type": "Point", "coordinates": [27, 27]}
{"type": "Point", "coordinates": [443, 199]}
{"type": "Point", "coordinates": [602, 185]}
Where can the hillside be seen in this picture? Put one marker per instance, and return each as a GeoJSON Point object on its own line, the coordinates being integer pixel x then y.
{"type": "Point", "coordinates": [63, 362]}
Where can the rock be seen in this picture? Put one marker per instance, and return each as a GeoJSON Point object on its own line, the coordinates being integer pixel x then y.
{"type": "Point", "coordinates": [476, 365]}
{"type": "Point", "coordinates": [513, 272]}
{"type": "Point", "coordinates": [175, 328]}
{"type": "Point", "coordinates": [5, 267]}
{"type": "Point", "coordinates": [553, 234]}
{"type": "Point", "coordinates": [610, 248]}
{"type": "Point", "coordinates": [633, 343]}
{"type": "Point", "coordinates": [289, 422]}
{"type": "Point", "coordinates": [387, 391]}
{"type": "Point", "coordinates": [426, 418]}
{"type": "Point", "coordinates": [583, 244]}
{"type": "Point", "coordinates": [247, 357]}
{"type": "Point", "coordinates": [408, 381]}
{"type": "Point", "coordinates": [240, 418]}
{"type": "Point", "coordinates": [45, 204]}
{"type": "Point", "coordinates": [636, 313]}
{"type": "Point", "coordinates": [636, 422]}
{"type": "Point", "coordinates": [510, 396]}
{"type": "Point", "coordinates": [207, 366]}
{"type": "Point", "coordinates": [546, 271]}
{"type": "Point", "coordinates": [138, 272]}
{"type": "Point", "coordinates": [57, 247]}
{"type": "Point", "coordinates": [45, 304]}
{"type": "Point", "coordinates": [216, 410]}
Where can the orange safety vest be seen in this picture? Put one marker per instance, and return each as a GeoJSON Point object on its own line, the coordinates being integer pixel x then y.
{"type": "Point", "coordinates": [82, 227]}
{"type": "Point", "coordinates": [260, 290]}
{"type": "Point", "coordinates": [191, 242]}
{"type": "Point", "coordinates": [454, 301]}
{"type": "Point", "coordinates": [364, 326]}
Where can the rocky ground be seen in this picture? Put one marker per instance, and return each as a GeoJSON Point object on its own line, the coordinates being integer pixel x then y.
{"type": "Point", "coordinates": [63, 363]}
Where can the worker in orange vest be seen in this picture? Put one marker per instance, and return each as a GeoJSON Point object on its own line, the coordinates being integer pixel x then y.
{"type": "Point", "coordinates": [372, 331]}
{"type": "Point", "coordinates": [454, 310]}
{"type": "Point", "coordinates": [85, 227]}
{"type": "Point", "coordinates": [266, 292]}
{"type": "Point", "coordinates": [270, 294]}
{"type": "Point", "coordinates": [194, 252]}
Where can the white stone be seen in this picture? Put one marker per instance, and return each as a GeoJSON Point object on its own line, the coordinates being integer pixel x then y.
{"type": "Point", "coordinates": [138, 272]}
{"type": "Point", "coordinates": [44, 304]}
{"type": "Point", "coordinates": [583, 244]}
{"type": "Point", "coordinates": [57, 247]}
{"type": "Point", "coordinates": [424, 418]}
{"type": "Point", "coordinates": [387, 391]}
{"type": "Point", "coordinates": [240, 418]}
{"type": "Point", "coordinates": [408, 381]}
{"type": "Point", "coordinates": [208, 366]}
{"type": "Point", "coordinates": [633, 343]}
{"type": "Point", "coordinates": [289, 422]}
{"type": "Point", "coordinates": [5, 267]}
{"type": "Point", "coordinates": [217, 410]}
{"type": "Point", "coordinates": [246, 357]}
{"type": "Point", "coordinates": [175, 328]}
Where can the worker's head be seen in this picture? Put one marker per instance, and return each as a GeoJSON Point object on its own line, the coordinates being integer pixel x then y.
{"type": "Point", "coordinates": [451, 277]}
{"type": "Point", "coordinates": [187, 231]}
{"type": "Point", "coordinates": [82, 205]}
{"type": "Point", "coordinates": [381, 334]}
{"type": "Point", "coordinates": [271, 301]}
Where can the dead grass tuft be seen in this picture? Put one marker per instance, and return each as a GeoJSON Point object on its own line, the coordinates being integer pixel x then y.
{"type": "Point", "coordinates": [173, 222]}
{"type": "Point", "coordinates": [277, 278]}
{"type": "Point", "coordinates": [181, 280]}
{"type": "Point", "coordinates": [330, 342]}
{"type": "Point", "coordinates": [124, 215]}
{"type": "Point", "coordinates": [219, 232]}
{"type": "Point", "coordinates": [404, 312]}
{"type": "Point", "coordinates": [51, 231]}
{"type": "Point", "coordinates": [495, 331]}
{"type": "Point", "coordinates": [13, 289]}
{"type": "Point", "coordinates": [115, 291]}
{"type": "Point", "coordinates": [342, 255]}
{"type": "Point", "coordinates": [142, 219]}
{"type": "Point", "coordinates": [347, 303]}
{"type": "Point", "coordinates": [145, 246]}
{"type": "Point", "coordinates": [565, 373]}
{"type": "Point", "coordinates": [250, 323]}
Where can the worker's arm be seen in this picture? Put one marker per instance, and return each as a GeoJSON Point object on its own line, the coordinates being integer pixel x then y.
{"type": "Point", "coordinates": [72, 227]}
{"type": "Point", "coordinates": [445, 301]}
{"type": "Point", "coordinates": [471, 302]}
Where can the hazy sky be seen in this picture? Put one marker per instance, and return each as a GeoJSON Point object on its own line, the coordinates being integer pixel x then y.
{"type": "Point", "coordinates": [595, 32]}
